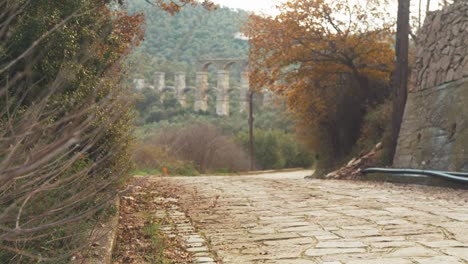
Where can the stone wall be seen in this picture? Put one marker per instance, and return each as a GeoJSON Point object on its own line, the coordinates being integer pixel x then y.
{"type": "Point", "coordinates": [434, 132]}
{"type": "Point", "coordinates": [441, 55]}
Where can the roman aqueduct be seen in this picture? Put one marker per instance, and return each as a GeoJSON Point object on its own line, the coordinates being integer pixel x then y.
{"type": "Point", "coordinates": [222, 89]}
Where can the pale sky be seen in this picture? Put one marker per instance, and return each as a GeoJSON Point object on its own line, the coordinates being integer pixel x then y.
{"type": "Point", "coordinates": [257, 6]}
{"type": "Point", "coordinates": [268, 6]}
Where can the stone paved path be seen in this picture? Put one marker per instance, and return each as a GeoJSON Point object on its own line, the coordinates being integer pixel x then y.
{"type": "Point", "coordinates": [283, 218]}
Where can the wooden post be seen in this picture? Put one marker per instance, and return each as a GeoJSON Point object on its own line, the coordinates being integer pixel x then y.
{"type": "Point", "coordinates": [251, 132]}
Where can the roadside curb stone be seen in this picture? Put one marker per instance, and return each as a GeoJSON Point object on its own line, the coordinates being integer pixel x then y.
{"type": "Point", "coordinates": [182, 227]}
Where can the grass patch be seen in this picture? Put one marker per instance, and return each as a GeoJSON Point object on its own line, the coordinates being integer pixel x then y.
{"type": "Point", "coordinates": [155, 235]}
{"type": "Point", "coordinates": [142, 224]}
{"type": "Point", "coordinates": [146, 172]}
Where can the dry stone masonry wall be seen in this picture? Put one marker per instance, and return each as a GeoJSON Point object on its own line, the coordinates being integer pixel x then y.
{"type": "Point", "coordinates": [434, 133]}
{"type": "Point", "coordinates": [442, 53]}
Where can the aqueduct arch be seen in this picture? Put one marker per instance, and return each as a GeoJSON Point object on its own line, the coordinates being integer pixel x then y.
{"type": "Point", "coordinates": [222, 88]}
{"type": "Point", "coordinates": [201, 84]}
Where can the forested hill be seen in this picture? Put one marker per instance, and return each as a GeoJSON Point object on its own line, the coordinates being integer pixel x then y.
{"type": "Point", "coordinates": [174, 43]}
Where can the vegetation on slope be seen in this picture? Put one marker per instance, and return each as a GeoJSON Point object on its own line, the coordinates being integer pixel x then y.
{"type": "Point", "coordinates": [175, 42]}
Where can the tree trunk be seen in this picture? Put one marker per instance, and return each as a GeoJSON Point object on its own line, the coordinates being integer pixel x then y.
{"type": "Point", "coordinates": [428, 5]}
{"type": "Point", "coordinates": [251, 131]}
{"type": "Point", "coordinates": [419, 14]}
{"type": "Point", "coordinates": [401, 72]}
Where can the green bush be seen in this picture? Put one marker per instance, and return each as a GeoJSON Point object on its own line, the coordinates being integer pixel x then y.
{"type": "Point", "coordinates": [276, 150]}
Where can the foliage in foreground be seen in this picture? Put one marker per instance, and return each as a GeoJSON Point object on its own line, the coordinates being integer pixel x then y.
{"type": "Point", "coordinates": [65, 128]}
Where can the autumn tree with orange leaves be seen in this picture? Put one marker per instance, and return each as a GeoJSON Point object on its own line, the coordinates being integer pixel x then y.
{"type": "Point", "coordinates": [174, 6]}
{"type": "Point", "coordinates": [330, 59]}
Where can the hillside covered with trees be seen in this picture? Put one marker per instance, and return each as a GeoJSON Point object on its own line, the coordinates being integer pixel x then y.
{"type": "Point", "coordinates": [174, 42]}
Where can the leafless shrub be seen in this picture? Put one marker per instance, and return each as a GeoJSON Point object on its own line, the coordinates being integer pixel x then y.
{"type": "Point", "coordinates": [146, 156]}
{"type": "Point", "coordinates": [205, 145]}
{"type": "Point", "coordinates": [59, 157]}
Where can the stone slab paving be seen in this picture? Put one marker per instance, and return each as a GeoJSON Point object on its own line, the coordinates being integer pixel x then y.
{"type": "Point", "coordinates": [284, 218]}
{"type": "Point", "coordinates": [180, 226]}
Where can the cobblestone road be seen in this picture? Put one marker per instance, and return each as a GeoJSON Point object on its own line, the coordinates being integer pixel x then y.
{"type": "Point", "coordinates": [283, 218]}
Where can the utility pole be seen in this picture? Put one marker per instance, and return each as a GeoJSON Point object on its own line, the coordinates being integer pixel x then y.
{"type": "Point", "coordinates": [251, 132]}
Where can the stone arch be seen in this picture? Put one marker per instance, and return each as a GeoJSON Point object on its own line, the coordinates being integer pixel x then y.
{"type": "Point", "coordinates": [223, 86]}
{"type": "Point", "coordinates": [221, 63]}
{"type": "Point", "coordinates": [167, 91]}
{"type": "Point", "coordinates": [188, 89]}
{"type": "Point", "coordinates": [205, 66]}
{"type": "Point", "coordinates": [228, 65]}
{"type": "Point", "coordinates": [241, 63]}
